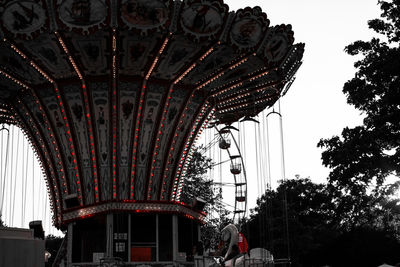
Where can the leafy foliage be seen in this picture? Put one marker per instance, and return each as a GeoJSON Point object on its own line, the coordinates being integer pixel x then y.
{"type": "Point", "coordinates": [2, 224]}
{"type": "Point", "coordinates": [197, 185]}
{"type": "Point", "coordinates": [365, 156]}
{"type": "Point", "coordinates": [317, 234]}
{"type": "Point", "coordinates": [310, 219]}
{"type": "Point", "coordinates": [353, 220]}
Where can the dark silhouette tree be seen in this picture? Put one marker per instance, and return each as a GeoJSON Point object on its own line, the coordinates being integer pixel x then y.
{"type": "Point", "coordinates": [2, 224]}
{"type": "Point", "coordinates": [363, 157]}
{"type": "Point", "coordinates": [317, 236]}
{"type": "Point", "coordinates": [310, 218]}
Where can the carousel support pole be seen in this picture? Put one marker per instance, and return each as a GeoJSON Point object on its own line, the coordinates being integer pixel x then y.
{"type": "Point", "coordinates": [69, 244]}
{"type": "Point", "coordinates": [174, 238]}
{"type": "Point", "coordinates": [157, 239]}
{"type": "Point", "coordinates": [109, 246]}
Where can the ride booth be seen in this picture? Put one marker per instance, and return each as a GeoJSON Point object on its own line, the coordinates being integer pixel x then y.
{"type": "Point", "coordinates": [135, 238]}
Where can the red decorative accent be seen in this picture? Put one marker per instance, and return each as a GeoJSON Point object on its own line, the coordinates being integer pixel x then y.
{"type": "Point", "coordinates": [139, 115]}
{"type": "Point", "coordinates": [171, 147]}
{"type": "Point", "coordinates": [200, 118]}
{"type": "Point", "coordinates": [64, 115]}
{"type": "Point", "coordinates": [202, 124]}
{"type": "Point", "coordinates": [158, 134]}
{"type": "Point", "coordinates": [135, 141]}
{"type": "Point", "coordinates": [141, 254]}
{"type": "Point", "coordinates": [93, 148]}
{"type": "Point", "coordinates": [160, 131]}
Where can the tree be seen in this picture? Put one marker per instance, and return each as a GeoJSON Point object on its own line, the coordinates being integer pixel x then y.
{"type": "Point", "coordinates": [196, 185]}
{"type": "Point", "coordinates": [316, 235]}
{"type": "Point", "coordinates": [363, 157]}
{"type": "Point", "coordinates": [2, 224]}
{"type": "Point", "coordinates": [310, 217]}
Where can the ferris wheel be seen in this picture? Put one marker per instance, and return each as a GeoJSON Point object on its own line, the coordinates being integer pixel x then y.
{"type": "Point", "coordinates": [228, 168]}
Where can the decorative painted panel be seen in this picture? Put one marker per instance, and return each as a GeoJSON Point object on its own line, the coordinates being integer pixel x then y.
{"type": "Point", "coordinates": [8, 88]}
{"type": "Point", "coordinates": [136, 52]}
{"type": "Point", "coordinates": [24, 19]}
{"type": "Point", "coordinates": [179, 53]}
{"type": "Point", "coordinates": [84, 16]}
{"type": "Point", "coordinates": [101, 117]}
{"type": "Point", "coordinates": [46, 51]}
{"type": "Point", "coordinates": [73, 96]}
{"type": "Point", "coordinates": [127, 116]}
{"type": "Point", "coordinates": [92, 52]}
{"type": "Point", "coordinates": [16, 66]}
{"type": "Point", "coordinates": [53, 110]}
{"type": "Point", "coordinates": [176, 105]}
{"type": "Point", "coordinates": [222, 55]}
{"type": "Point", "coordinates": [152, 107]}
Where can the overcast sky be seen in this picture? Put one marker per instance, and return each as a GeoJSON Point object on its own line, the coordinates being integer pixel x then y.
{"type": "Point", "coordinates": [315, 106]}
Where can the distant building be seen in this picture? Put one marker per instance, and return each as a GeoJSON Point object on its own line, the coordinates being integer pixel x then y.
{"type": "Point", "coordinates": [19, 248]}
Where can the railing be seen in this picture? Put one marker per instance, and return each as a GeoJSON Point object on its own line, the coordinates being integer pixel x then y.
{"type": "Point", "coordinates": [62, 251]}
{"type": "Point", "coordinates": [116, 262]}
{"type": "Point", "coordinates": [199, 261]}
{"type": "Point", "coordinates": [209, 261]}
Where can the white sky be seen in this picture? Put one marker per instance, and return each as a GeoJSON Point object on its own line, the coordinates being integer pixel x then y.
{"type": "Point", "coordinates": [315, 106]}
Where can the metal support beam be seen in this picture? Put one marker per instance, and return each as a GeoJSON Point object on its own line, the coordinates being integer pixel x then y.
{"type": "Point", "coordinates": [69, 244]}
{"type": "Point", "coordinates": [175, 238]}
{"type": "Point", "coordinates": [109, 235]}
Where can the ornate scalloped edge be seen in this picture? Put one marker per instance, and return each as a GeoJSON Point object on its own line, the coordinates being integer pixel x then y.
{"type": "Point", "coordinates": [84, 30]}
{"type": "Point", "coordinates": [57, 216]}
{"type": "Point", "coordinates": [249, 13]}
{"type": "Point", "coordinates": [33, 34]}
{"type": "Point", "coordinates": [145, 31]}
{"type": "Point", "coordinates": [218, 5]}
{"type": "Point", "coordinates": [134, 207]}
{"type": "Point", "coordinates": [284, 30]}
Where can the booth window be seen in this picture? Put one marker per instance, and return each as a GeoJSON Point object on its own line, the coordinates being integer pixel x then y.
{"type": "Point", "coordinates": [120, 236]}
{"type": "Point", "coordinates": [187, 235]}
{"type": "Point", "coordinates": [143, 237]}
{"type": "Point", "coordinates": [89, 238]}
{"type": "Point", "coordinates": [165, 237]}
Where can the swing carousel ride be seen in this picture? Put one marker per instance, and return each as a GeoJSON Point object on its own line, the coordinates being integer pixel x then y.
{"type": "Point", "coordinates": [113, 95]}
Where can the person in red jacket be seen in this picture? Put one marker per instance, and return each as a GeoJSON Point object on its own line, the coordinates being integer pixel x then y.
{"type": "Point", "coordinates": [242, 244]}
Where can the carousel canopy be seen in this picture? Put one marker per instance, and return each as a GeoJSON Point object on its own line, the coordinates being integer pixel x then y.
{"type": "Point", "coordinates": [112, 93]}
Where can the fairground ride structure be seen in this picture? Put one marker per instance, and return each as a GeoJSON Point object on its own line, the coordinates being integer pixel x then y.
{"type": "Point", "coordinates": [112, 95]}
